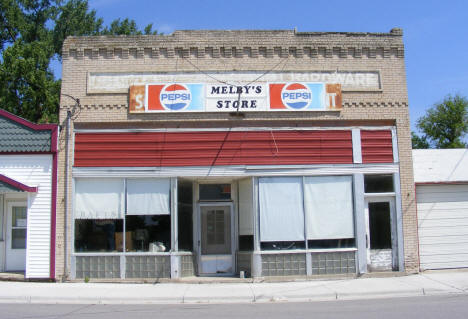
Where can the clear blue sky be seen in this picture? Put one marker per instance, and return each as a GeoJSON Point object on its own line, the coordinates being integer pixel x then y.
{"type": "Point", "coordinates": [435, 32]}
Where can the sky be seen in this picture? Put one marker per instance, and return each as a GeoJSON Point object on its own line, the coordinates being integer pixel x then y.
{"type": "Point", "coordinates": [435, 33]}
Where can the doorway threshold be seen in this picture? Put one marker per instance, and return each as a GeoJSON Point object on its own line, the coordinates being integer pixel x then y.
{"type": "Point", "coordinates": [12, 276]}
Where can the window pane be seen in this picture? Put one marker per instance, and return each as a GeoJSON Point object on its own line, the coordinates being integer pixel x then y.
{"type": "Point", "coordinates": [148, 233]}
{"type": "Point", "coordinates": [246, 211]}
{"type": "Point", "coordinates": [99, 198]}
{"type": "Point", "coordinates": [378, 183]}
{"type": "Point", "coordinates": [185, 212]}
{"type": "Point", "coordinates": [148, 196]}
{"type": "Point", "coordinates": [216, 230]}
{"type": "Point", "coordinates": [215, 191]}
{"type": "Point", "coordinates": [332, 243]}
{"type": "Point", "coordinates": [282, 245]}
{"type": "Point", "coordinates": [246, 243]}
{"type": "Point", "coordinates": [379, 226]}
{"type": "Point", "coordinates": [329, 207]}
{"type": "Point", "coordinates": [18, 238]}
{"type": "Point", "coordinates": [281, 209]}
{"type": "Point", "coordinates": [98, 235]}
{"type": "Point", "coordinates": [19, 216]}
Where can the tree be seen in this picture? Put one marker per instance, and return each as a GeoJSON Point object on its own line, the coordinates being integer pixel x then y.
{"type": "Point", "coordinates": [444, 125]}
{"type": "Point", "coordinates": [419, 141]}
{"type": "Point", "coordinates": [31, 37]}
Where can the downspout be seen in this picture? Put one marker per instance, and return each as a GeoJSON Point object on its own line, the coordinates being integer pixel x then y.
{"type": "Point", "coordinates": [65, 219]}
{"type": "Point", "coordinates": [67, 211]}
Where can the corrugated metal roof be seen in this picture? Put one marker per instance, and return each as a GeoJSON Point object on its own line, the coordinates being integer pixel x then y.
{"type": "Point", "coordinates": [440, 165]}
{"type": "Point", "coordinates": [15, 137]}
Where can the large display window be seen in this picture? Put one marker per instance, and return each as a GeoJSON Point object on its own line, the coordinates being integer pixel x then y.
{"type": "Point", "coordinates": [113, 213]}
{"type": "Point", "coordinates": [306, 212]}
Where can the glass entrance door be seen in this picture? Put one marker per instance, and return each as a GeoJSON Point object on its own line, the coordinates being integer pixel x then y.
{"type": "Point", "coordinates": [216, 251]}
{"type": "Point", "coordinates": [381, 235]}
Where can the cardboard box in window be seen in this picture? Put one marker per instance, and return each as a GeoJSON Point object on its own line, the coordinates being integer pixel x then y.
{"type": "Point", "coordinates": [119, 241]}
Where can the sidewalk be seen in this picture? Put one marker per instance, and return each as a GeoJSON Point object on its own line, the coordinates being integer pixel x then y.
{"type": "Point", "coordinates": [428, 283]}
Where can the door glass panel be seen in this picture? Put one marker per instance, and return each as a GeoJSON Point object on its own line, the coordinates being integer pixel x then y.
{"type": "Point", "coordinates": [216, 230]}
{"type": "Point", "coordinates": [18, 227]}
{"type": "Point", "coordinates": [18, 237]}
{"type": "Point", "coordinates": [19, 216]}
{"type": "Point", "coordinates": [380, 225]}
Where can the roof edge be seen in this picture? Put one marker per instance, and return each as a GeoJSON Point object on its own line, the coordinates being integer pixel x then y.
{"type": "Point", "coordinates": [17, 185]}
{"type": "Point", "coordinates": [36, 127]}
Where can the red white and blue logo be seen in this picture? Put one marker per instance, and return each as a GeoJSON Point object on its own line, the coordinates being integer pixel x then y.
{"type": "Point", "coordinates": [296, 96]}
{"type": "Point", "coordinates": [175, 97]}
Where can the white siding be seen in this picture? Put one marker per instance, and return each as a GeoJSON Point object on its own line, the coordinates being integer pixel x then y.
{"type": "Point", "coordinates": [443, 226]}
{"type": "Point", "coordinates": [35, 171]}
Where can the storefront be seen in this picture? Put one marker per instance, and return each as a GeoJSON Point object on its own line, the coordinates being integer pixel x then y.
{"type": "Point", "coordinates": [201, 154]}
{"type": "Point", "coordinates": [28, 183]}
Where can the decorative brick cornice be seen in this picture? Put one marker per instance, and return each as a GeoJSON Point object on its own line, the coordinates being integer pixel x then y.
{"type": "Point", "coordinates": [238, 44]}
{"type": "Point", "coordinates": [375, 104]}
{"type": "Point", "coordinates": [346, 104]}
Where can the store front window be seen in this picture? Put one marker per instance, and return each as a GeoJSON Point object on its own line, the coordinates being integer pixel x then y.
{"type": "Point", "coordinates": [148, 233]}
{"type": "Point", "coordinates": [313, 211]}
{"type": "Point", "coordinates": [113, 213]}
{"type": "Point", "coordinates": [98, 235]}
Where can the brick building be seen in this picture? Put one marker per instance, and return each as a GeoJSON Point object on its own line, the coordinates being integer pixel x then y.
{"type": "Point", "coordinates": [216, 152]}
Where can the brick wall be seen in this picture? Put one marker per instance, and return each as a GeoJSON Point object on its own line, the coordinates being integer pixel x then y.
{"type": "Point", "coordinates": [231, 51]}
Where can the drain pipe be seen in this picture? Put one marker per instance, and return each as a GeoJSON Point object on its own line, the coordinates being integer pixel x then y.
{"type": "Point", "coordinates": [65, 219]}
{"type": "Point", "coordinates": [67, 210]}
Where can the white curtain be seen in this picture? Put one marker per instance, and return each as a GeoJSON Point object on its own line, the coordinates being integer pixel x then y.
{"type": "Point", "coordinates": [148, 196]}
{"type": "Point", "coordinates": [329, 207]}
{"type": "Point", "coordinates": [246, 214]}
{"type": "Point", "coordinates": [99, 198]}
{"type": "Point", "coordinates": [281, 209]}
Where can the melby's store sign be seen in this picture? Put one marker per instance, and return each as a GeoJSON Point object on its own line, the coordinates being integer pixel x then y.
{"type": "Point", "coordinates": [201, 97]}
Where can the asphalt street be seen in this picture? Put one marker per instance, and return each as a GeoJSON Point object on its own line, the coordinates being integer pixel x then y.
{"type": "Point", "coordinates": [427, 307]}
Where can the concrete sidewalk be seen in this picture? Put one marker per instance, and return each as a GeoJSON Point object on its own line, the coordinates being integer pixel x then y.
{"type": "Point", "coordinates": [428, 283]}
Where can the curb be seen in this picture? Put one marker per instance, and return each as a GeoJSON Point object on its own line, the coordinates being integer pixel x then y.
{"type": "Point", "coordinates": [224, 300]}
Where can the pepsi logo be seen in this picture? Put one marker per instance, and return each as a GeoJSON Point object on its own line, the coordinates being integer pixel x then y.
{"type": "Point", "coordinates": [296, 96]}
{"type": "Point", "coordinates": [175, 97]}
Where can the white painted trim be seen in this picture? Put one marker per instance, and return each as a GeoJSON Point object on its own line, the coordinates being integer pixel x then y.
{"type": "Point", "coordinates": [360, 223]}
{"type": "Point", "coordinates": [304, 251]}
{"type": "Point", "coordinates": [372, 195]}
{"type": "Point", "coordinates": [236, 129]}
{"type": "Point", "coordinates": [357, 148]}
{"type": "Point", "coordinates": [396, 158]}
{"type": "Point", "coordinates": [235, 171]}
{"type": "Point", "coordinates": [399, 222]}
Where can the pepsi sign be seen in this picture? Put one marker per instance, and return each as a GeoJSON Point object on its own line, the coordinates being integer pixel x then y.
{"type": "Point", "coordinates": [202, 97]}
{"type": "Point", "coordinates": [175, 97]}
{"type": "Point", "coordinates": [296, 96]}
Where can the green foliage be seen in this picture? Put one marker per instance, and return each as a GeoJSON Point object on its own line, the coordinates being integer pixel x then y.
{"type": "Point", "coordinates": [419, 141]}
{"type": "Point", "coordinates": [31, 37]}
{"type": "Point", "coordinates": [446, 123]}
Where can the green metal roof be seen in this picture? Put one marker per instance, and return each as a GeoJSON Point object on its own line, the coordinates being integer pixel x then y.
{"type": "Point", "coordinates": [15, 137]}
{"type": "Point", "coordinates": [7, 188]}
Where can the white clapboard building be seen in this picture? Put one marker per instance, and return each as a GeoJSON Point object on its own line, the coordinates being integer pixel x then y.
{"type": "Point", "coordinates": [28, 179]}
{"type": "Point", "coordinates": [441, 177]}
